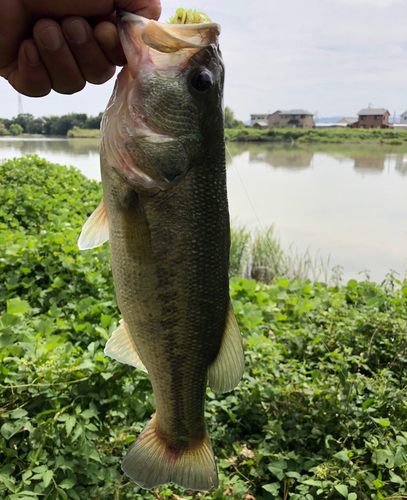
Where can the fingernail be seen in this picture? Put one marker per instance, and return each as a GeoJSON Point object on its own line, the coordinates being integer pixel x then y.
{"type": "Point", "coordinates": [51, 38]}
{"type": "Point", "coordinates": [32, 55]}
{"type": "Point", "coordinates": [75, 31]}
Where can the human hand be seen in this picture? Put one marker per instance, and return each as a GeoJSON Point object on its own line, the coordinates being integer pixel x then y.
{"type": "Point", "coordinates": [61, 45]}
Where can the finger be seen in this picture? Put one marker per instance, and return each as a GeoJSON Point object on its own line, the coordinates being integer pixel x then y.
{"type": "Point", "coordinates": [30, 76]}
{"type": "Point", "coordinates": [86, 8]}
{"type": "Point", "coordinates": [14, 26]}
{"type": "Point", "coordinates": [146, 8]}
{"type": "Point", "coordinates": [94, 65]}
{"type": "Point", "coordinates": [66, 77]}
{"type": "Point", "coordinates": [108, 38]}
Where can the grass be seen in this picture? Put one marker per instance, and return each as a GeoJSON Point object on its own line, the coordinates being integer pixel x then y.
{"type": "Point", "coordinates": [336, 136]}
{"type": "Point", "coordinates": [83, 133]}
{"type": "Point", "coordinates": [258, 255]}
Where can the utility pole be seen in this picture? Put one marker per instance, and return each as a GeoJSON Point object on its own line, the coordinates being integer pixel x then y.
{"type": "Point", "coordinates": [20, 105]}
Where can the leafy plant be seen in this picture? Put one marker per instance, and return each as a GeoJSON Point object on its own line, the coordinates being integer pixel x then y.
{"type": "Point", "coordinates": [320, 412]}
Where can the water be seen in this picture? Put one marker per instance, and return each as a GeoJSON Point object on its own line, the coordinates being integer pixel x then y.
{"type": "Point", "coordinates": [347, 202]}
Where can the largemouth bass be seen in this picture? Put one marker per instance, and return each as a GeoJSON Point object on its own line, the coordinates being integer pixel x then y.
{"type": "Point", "coordinates": [165, 213]}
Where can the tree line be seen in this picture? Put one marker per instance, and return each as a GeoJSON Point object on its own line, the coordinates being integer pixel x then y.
{"type": "Point", "coordinates": [25, 123]}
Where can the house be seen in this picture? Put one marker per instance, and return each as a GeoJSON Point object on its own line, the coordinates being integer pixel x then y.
{"type": "Point", "coordinates": [260, 125]}
{"type": "Point", "coordinates": [323, 125]}
{"type": "Point", "coordinates": [342, 123]}
{"type": "Point", "coordinates": [257, 118]}
{"type": "Point", "coordinates": [349, 122]}
{"type": "Point", "coordinates": [403, 118]}
{"type": "Point", "coordinates": [373, 118]}
{"type": "Point", "coordinates": [295, 118]}
{"type": "Point", "coordinates": [273, 119]}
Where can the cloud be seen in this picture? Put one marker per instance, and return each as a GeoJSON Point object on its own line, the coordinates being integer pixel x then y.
{"type": "Point", "coordinates": [315, 54]}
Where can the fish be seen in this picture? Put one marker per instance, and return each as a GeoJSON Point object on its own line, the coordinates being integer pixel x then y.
{"type": "Point", "coordinates": [165, 214]}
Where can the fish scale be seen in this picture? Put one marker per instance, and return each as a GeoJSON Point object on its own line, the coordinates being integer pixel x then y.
{"type": "Point", "coordinates": [165, 213]}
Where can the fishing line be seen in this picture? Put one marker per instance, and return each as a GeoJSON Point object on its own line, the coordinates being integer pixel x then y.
{"type": "Point", "coordinates": [271, 246]}
{"type": "Point", "coordinates": [287, 278]}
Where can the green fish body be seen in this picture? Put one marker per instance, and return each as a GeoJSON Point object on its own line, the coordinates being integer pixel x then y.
{"type": "Point", "coordinates": [165, 213]}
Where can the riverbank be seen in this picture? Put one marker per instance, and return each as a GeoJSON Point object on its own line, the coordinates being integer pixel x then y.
{"type": "Point", "coordinates": [283, 136]}
{"type": "Point", "coordinates": [83, 133]}
{"type": "Point", "coordinates": [333, 136]}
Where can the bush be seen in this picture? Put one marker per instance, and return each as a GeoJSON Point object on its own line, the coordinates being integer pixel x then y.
{"type": "Point", "coordinates": [320, 412]}
{"type": "Point", "coordinates": [16, 129]}
{"type": "Point", "coordinates": [334, 136]}
{"type": "Point", "coordinates": [83, 133]}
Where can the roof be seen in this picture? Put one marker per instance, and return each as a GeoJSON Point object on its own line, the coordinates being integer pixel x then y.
{"type": "Point", "coordinates": [405, 113]}
{"type": "Point", "coordinates": [331, 125]}
{"type": "Point", "coordinates": [296, 112]}
{"type": "Point", "coordinates": [348, 120]}
{"type": "Point", "coordinates": [372, 111]}
{"type": "Point", "coordinates": [262, 124]}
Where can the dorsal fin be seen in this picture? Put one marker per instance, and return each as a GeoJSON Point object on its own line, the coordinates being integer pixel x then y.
{"type": "Point", "coordinates": [226, 371]}
{"type": "Point", "coordinates": [121, 347]}
{"type": "Point", "coordinates": [95, 231]}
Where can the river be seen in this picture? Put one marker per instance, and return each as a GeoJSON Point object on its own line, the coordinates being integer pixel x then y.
{"type": "Point", "coordinates": [345, 202]}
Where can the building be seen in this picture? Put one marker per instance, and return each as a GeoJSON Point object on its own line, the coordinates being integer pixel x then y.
{"type": "Point", "coordinates": [349, 122]}
{"type": "Point", "coordinates": [403, 118]}
{"type": "Point", "coordinates": [258, 118]}
{"type": "Point", "coordinates": [373, 118]}
{"type": "Point", "coordinates": [295, 118]}
{"type": "Point", "coordinates": [273, 119]}
{"type": "Point", "coordinates": [260, 125]}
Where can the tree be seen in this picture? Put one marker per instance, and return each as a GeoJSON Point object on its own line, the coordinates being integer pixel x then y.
{"type": "Point", "coordinates": [230, 120]}
{"type": "Point", "coordinates": [3, 130]}
{"type": "Point", "coordinates": [36, 126]}
{"type": "Point", "coordinates": [16, 129]}
{"type": "Point", "coordinates": [93, 122]}
{"type": "Point", "coordinates": [23, 119]}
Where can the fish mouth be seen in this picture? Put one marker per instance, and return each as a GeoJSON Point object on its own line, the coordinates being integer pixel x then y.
{"type": "Point", "coordinates": [167, 47]}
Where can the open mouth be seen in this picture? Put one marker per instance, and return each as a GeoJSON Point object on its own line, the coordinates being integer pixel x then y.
{"type": "Point", "coordinates": [165, 46]}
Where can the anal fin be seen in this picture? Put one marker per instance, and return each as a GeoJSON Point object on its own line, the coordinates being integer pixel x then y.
{"type": "Point", "coordinates": [226, 371]}
{"type": "Point", "coordinates": [121, 347]}
{"type": "Point", "coordinates": [95, 231]}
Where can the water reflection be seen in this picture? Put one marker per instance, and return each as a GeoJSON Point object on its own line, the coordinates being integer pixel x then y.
{"type": "Point", "coordinates": [367, 158]}
{"type": "Point", "coordinates": [68, 146]}
{"type": "Point", "coordinates": [401, 164]}
{"type": "Point", "coordinates": [365, 165]}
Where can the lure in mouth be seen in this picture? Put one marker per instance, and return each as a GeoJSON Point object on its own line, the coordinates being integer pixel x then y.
{"type": "Point", "coordinates": [144, 41]}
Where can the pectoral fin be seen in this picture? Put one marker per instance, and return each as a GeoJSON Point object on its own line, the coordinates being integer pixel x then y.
{"type": "Point", "coordinates": [227, 369]}
{"type": "Point", "coordinates": [121, 347]}
{"type": "Point", "coordinates": [95, 232]}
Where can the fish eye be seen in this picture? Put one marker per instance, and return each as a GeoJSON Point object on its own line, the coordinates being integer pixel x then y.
{"type": "Point", "coordinates": [201, 80]}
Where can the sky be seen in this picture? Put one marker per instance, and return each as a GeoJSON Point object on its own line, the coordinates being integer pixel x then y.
{"type": "Point", "coordinates": [328, 57]}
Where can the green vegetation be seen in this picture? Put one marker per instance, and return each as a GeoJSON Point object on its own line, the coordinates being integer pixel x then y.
{"type": "Point", "coordinates": [231, 121]}
{"type": "Point", "coordinates": [49, 125]}
{"type": "Point", "coordinates": [83, 133]}
{"type": "Point", "coordinates": [188, 16]}
{"type": "Point", "coordinates": [259, 255]}
{"type": "Point", "coordinates": [352, 135]}
{"type": "Point", "coordinates": [319, 414]}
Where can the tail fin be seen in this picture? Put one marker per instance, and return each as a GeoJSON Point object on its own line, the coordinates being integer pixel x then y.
{"type": "Point", "coordinates": [150, 463]}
